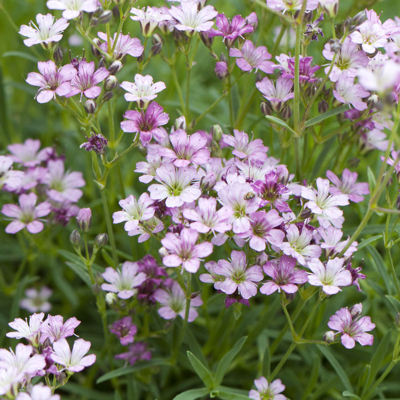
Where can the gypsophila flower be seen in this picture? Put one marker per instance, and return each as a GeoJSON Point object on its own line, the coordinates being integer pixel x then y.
{"type": "Point", "coordinates": [55, 328]}
{"type": "Point", "coordinates": [38, 392]}
{"type": "Point", "coordinates": [136, 352]}
{"type": "Point", "coordinates": [37, 300]}
{"type": "Point", "coordinates": [48, 30]}
{"type": "Point", "coordinates": [9, 179]}
{"type": "Point", "coordinates": [72, 8]}
{"type": "Point", "coordinates": [124, 330]}
{"type": "Point", "coordinates": [96, 142]}
{"type": "Point", "coordinates": [276, 94]}
{"type": "Point", "coordinates": [348, 92]}
{"type": "Point", "coordinates": [351, 327]}
{"type": "Point", "coordinates": [146, 229]}
{"type": "Point", "coordinates": [74, 361]}
{"type": "Point", "coordinates": [266, 391]}
{"type": "Point", "coordinates": [348, 185]}
{"type": "Point", "coordinates": [370, 36]}
{"type": "Point", "coordinates": [28, 153]}
{"type": "Point", "coordinates": [291, 5]}
{"type": "Point", "coordinates": [30, 331]}
{"type": "Point", "coordinates": [9, 381]}
{"type": "Point", "coordinates": [125, 45]}
{"type": "Point", "coordinates": [150, 18]}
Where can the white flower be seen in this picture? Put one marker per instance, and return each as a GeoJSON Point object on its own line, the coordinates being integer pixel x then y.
{"type": "Point", "coordinates": [47, 30]}
{"type": "Point", "coordinates": [30, 332]}
{"type": "Point", "coordinates": [150, 18]}
{"type": "Point", "coordinates": [72, 8]}
{"type": "Point", "coordinates": [370, 35]}
{"type": "Point", "coordinates": [38, 392]}
{"type": "Point", "coordinates": [143, 90]}
{"type": "Point", "coordinates": [9, 380]}
{"type": "Point", "coordinates": [381, 78]}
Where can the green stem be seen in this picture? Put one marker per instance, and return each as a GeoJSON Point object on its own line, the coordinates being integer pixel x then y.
{"type": "Point", "coordinates": [111, 125]}
{"type": "Point", "coordinates": [200, 117]}
{"type": "Point", "coordinates": [380, 380]}
{"type": "Point", "coordinates": [396, 281]}
{"type": "Point", "coordinates": [230, 92]}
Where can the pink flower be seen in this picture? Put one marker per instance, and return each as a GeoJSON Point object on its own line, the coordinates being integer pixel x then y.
{"type": "Point", "coordinates": [276, 95]}
{"type": "Point", "coordinates": [352, 327]}
{"type": "Point", "coordinates": [243, 148]}
{"type": "Point", "coordinates": [46, 31]}
{"type": "Point", "coordinates": [150, 19]}
{"type": "Point", "coordinates": [284, 276]}
{"type": "Point", "coordinates": [63, 186]}
{"type": "Point", "coordinates": [381, 76]}
{"type": "Point", "coordinates": [190, 19]}
{"type": "Point", "coordinates": [370, 36]}
{"type": "Point", "coordinates": [250, 57]}
{"type": "Point", "coordinates": [10, 179]}
{"type": "Point", "coordinates": [148, 168]}
{"type": "Point", "coordinates": [27, 153]}
{"type": "Point", "coordinates": [134, 211]}
{"type": "Point", "coordinates": [348, 185]}
{"type": "Point", "coordinates": [184, 251]}
{"type": "Point", "coordinates": [291, 5]}
{"type": "Point", "coordinates": [143, 90]}
{"type": "Point", "coordinates": [348, 92]}
{"type": "Point", "coordinates": [146, 228]}
{"type": "Point", "coordinates": [262, 230]}
{"type": "Point", "coordinates": [238, 276]}
{"type": "Point", "coordinates": [267, 391]}
{"type": "Point", "coordinates": [173, 301]}
{"type": "Point", "coordinates": [74, 361]}
{"type": "Point", "coordinates": [230, 30]}
{"type": "Point", "coordinates": [125, 45]}
{"type": "Point", "coordinates": [306, 70]}
{"type": "Point", "coordinates": [72, 9]}
{"type": "Point", "coordinates": [86, 80]}
{"type": "Point", "coordinates": [330, 276]}
{"type": "Point", "coordinates": [212, 277]}
{"type": "Point", "coordinates": [207, 218]}
{"type": "Point", "coordinates": [176, 185]}
{"type": "Point", "coordinates": [30, 331]}
{"type": "Point", "coordinates": [136, 352]}
{"type": "Point", "coordinates": [38, 392]}
{"type": "Point", "coordinates": [55, 329]}
{"type": "Point", "coordinates": [52, 81]}
{"type": "Point", "coordinates": [221, 70]}
{"type": "Point", "coordinates": [332, 243]}
{"type": "Point", "coordinates": [298, 245]}
{"type": "Point", "coordinates": [124, 330]}
{"type": "Point", "coordinates": [123, 281]}
{"type": "Point", "coordinates": [187, 149]}
{"type": "Point", "coordinates": [26, 215]}
{"type": "Point", "coordinates": [37, 300]}
{"type": "Point", "coordinates": [146, 123]}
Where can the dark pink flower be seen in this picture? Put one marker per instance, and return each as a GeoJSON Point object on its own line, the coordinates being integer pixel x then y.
{"type": "Point", "coordinates": [306, 71]}
{"type": "Point", "coordinates": [250, 57]}
{"type": "Point", "coordinates": [136, 352]}
{"type": "Point", "coordinates": [124, 330]}
{"type": "Point", "coordinates": [348, 185]}
{"type": "Point", "coordinates": [146, 123]}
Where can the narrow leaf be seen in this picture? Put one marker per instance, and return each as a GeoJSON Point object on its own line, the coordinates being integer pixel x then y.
{"type": "Point", "coordinates": [194, 346]}
{"type": "Point", "coordinates": [227, 360]}
{"type": "Point", "coordinates": [371, 179]}
{"type": "Point", "coordinates": [337, 367]}
{"type": "Point", "coordinates": [346, 393]}
{"type": "Point", "coordinates": [228, 395]}
{"type": "Point", "coordinates": [366, 242]}
{"type": "Point", "coordinates": [380, 266]}
{"type": "Point", "coordinates": [20, 54]}
{"type": "Point", "coordinates": [281, 123]}
{"type": "Point", "coordinates": [203, 372]}
{"type": "Point", "coordinates": [395, 302]}
{"type": "Point", "coordinates": [134, 368]}
{"type": "Point", "coordinates": [77, 268]}
{"type": "Point", "coordinates": [192, 394]}
{"type": "Point", "coordinates": [327, 115]}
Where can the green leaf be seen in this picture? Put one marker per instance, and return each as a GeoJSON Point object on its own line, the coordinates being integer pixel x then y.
{"type": "Point", "coordinates": [327, 115]}
{"type": "Point", "coordinates": [84, 392]}
{"type": "Point", "coordinates": [20, 54]}
{"type": "Point", "coordinates": [281, 123]}
{"type": "Point", "coordinates": [203, 372]}
{"type": "Point", "coordinates": [64, 286]}
{"type": "Point", "coordinates": [371, 179]}
{"type": "Point", "coordinates": [346, 393]}
{"type": "Point", "coordinates": [134, 368]}
{"type": "Point", "coordinates": [380, 267]}
{"type": "Point", "coordinates": [226, 394]}
{"type": "Point", "coordinates": [368, 241]}
{"type": "Point", "coordinates": [80, 271]}
{"type": "Point", "coordinates": [194, 346]}
{"type": "Point", "coordinates": [227, 360]}
{"type": "Point", "coordinates": [395, 302]}
{"type": "Point", "coordinates": [337, 367]}
{"type": "Point", "coordinates": [192, 394]}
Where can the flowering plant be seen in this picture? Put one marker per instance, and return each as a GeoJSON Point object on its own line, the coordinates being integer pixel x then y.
{"type": "Point", "coordinates": [212, 188]}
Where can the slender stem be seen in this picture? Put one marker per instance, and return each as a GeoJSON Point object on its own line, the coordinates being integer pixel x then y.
{"type": "Point", "coordinates": [216, 102]}
{"type": "Point", "coordinates": [396, 281]}
{"type": "Point", "coordinates": [178, 87]}
{"type": "Point", "coordinates": [230, 92]}
{"type": "Point", "coordinates": [109, 227]}
{"type": "Point", "coordinates": [111, 125]}
{"type": "Point", "coordinates": [289, 320]}
{"type": "Point", "coordinates": [187, 108]}
{"type": "Point", "coordinates": [282, 362]}
{"type": "Point", "coordinates": [380, 380]}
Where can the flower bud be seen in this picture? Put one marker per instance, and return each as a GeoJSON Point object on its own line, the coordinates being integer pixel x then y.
{"type": "Point", "coordinates": [108, 96]}
{"type": "Point", "coordinates": [252, 20]}
{"type": "Point", "coordinates": [96, 289]}
{"type": "Point", "coordinates": [266, 108]}
{"type": "Point", "coordinates": [359, 18]}
{"type": "Point", "coordinates": [329, 336]}
{"type": "Point", "coordinates": [119, 2]}
{"type": "Point", "coordinates": [75, 239]}
{"type": "Point", "coordinates": [156, 49]}
{"type": "Point", "coordinates": [335, 45]}
{"type": "Point", "coordinates": [323, 107]}
{"type": "Point", "coordinates": [62, 378]}
{"type": "Point", "coordinates": [180, 123]}
{"type": "Point", "coordinates": [310, 91]}
{"type": "Point", "coordinates": [105, 17]}
{"type": "Point", "coordinates": [111, 298]}
{"type": "Point", "coordinates": [90, 106]}
{"type": "Point", "coordinates": [58, 55]}
{"type": "Point", "coordinates": [163, 252]}
{"type": "Point", "coordinates": [331, 7]}
{"type": "Point", "coordinates": [305, 214]}
{"type": "Point", "coordinates": [98, 11]}
{"type": "Point", "coordinates": [94, 21]}
{"type": "Point", "coordinates": [353, 162]}
{"type": "Point", "coordinates": [208, 41]}
{"type": "Point", "coordinates": [286, 112]}
{"type": "Point", "coordinates": [308, 16]}
{"type": "Point", "coordinates": [95, 50]}
{"type": "Point", "coordinates": [356, 310]}
{"type": "Point", "coordinates": [216, 133]}
{"type": "Point", "coordinates": [101, 240]}
{"type": "Point", "coordinates": [101, 63]}
{"type": "Point", "coordinates": [84, 219]}
{"type": "Point", "coordinates": [207, 182]}
{"type": "Point", "coordinates": [261, 259]}
{"type": "Point", "coordinates": [115, 67]}
{"type": "Point", "coordinates": [221, 70]}
{"type": "Point", "coordinates": [110, 83]}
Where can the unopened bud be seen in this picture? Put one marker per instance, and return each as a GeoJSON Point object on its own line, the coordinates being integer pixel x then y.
{"type": "Point", "coordinates": [261, 259]}
{"type": "Point", "coordinates": [221, 70]}
{"type": "Point", "coordinates": [95, 50]}
{"type": "Point", "coordinates": [105, 17]}
{"type": "Point", "coordinates": [90, 106]}
{"type": "Point", "coordinates": [207, 40]}
{"type": "Point", "coordinates": [308, 16]}
{"type": "Point", "coordinates": [180, 123]}
{"type": "Point", "coordinates": [163, 252]}
{"type": "Point", "coordinates": [108, 96]}
{"type": "Point", "coordinates": [98, 11]}
{"type": "Point", "coordinates": [323, 107]}
{"type": "Point", "coordinates": [359, 18]}
{"type": "Point", "coordinates": [329, 337]}
{"type": "Point", "coordinates": [266, 108]}
{"type": "Point", "coordinates": [101, 63]}
{"type": "Point", "coordinates": [310, 91]}
{"type": "Point", "coordinates": [110, 83]}
{"type": "Point", "coordinates": [335, 45]}
{"type": "Point", "coordinates": [356, 310]}
{"type": "Point", "coordinates": [223, 58]}
{"type": "Point", "coordinates": [75, 239]}
{"type": "Point", "coordinates": [84, 219]}
{"type": "Point", "coordinates": [96, 289]}
{"type": "Point", "coordinates": [216, 133]}
{"type": "Point", "coordinates": [259, 77]}
{"type": "Point", "coordinates": [207, 182]}
{"type": "Point", "coordinates": [331, 8]}
{"type": "Point", "coordinates": [286, 112]}
{"type": "Point", "coordinates": [94, 21]}
{"type": "Point", "coordinates": [58, 55]}
{"type": "Point", "coordinates": [353, 162]}
{"type": "Point", "coordinates": [62, 378]}
{"type": "Point", "coordinates": [156, 49]}
{"type": "Point", "coordinates": [101, 240]}
{"type": "Point", "coordinates": [195, 294]}
{"type": "Point", "coordinates": [111, 298]}
{"type": "Point", "coordinates": [115, 67]}
{"type": "Point", "coordinates": [305, 214]}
